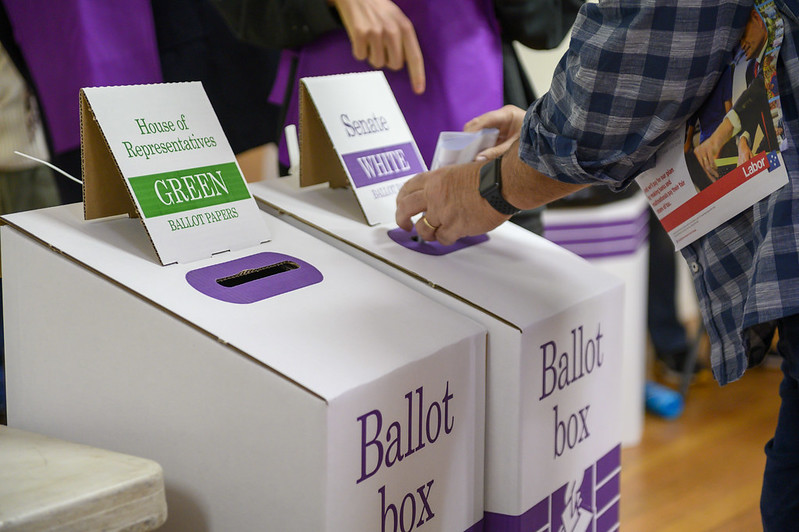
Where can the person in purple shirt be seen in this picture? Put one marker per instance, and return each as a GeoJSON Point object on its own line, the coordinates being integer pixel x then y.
{"type": "Point", "coordinates": [442, 59]}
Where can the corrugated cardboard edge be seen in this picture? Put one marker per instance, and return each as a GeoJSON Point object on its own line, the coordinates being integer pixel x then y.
{"type": "Point", "coordinates": [105, 192]}
{"type": "Point", "coordinates": [318, 157]}
{"type": "Point", "coordinates": [319, 162]}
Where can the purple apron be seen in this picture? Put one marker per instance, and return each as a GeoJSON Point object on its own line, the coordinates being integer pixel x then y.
{"type": "Point", "coordinates": [70, 44]}
{"type": "Point", "coordinates": [462, 59]}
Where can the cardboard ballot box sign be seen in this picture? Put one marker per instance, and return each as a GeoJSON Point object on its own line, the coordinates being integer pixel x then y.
{"type": "Point", "coordinates": [159, 153]}
{"type": "Point", "coordinates": [361, 142]}
{"type": "Point", "coordinates": [553, 427]}
{"type": "Point", "coordinates": [285, 386]}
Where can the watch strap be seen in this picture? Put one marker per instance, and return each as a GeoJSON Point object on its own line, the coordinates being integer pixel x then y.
{"type": "Point", "coordinates": [491, 187]}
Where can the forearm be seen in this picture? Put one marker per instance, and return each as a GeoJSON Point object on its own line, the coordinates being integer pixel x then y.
{"type": "Point", "coordinates": [526, 188]}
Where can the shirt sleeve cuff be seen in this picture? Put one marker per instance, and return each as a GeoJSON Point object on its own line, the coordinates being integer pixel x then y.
{"type": "Point", "coordinates": [732, 116]}
{"type": "Point", "coordinates": [555, 156]}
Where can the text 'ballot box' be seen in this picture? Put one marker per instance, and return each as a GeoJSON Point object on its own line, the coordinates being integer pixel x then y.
{"type": "Point", "coordinates": [554, 352]}
{"type": "Point", "coordinates": [281, 387]}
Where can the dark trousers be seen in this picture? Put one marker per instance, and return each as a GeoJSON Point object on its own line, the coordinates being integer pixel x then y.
{"type": "Point", "coordinates": [665, 329]}
{"type": "Point", "coordinates": [779, 500]}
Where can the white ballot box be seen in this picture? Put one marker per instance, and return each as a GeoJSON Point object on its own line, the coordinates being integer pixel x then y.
{"type": "Point", "coordinates": [282, 387]}
{"type": "Point", "coordinates": [554, 353]}
{"type": "Point", "coordinates": [614, 238]}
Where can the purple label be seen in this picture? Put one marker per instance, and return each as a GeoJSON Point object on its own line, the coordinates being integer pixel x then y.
{"type": "Point", "coordinates": [605, 239]}
{"type": "Point", "coordinates": [533, 519]}
{"type": "Point", "coordinates": [411, 240]}
{"type": "Point", "coordinates": [587, 503]}
{"type": "Point", "coordinates": [253, 278]}
{"type": "Point", "coordinates": [477, 527]}
{"type": "Point", "coordinates": [383, 164]}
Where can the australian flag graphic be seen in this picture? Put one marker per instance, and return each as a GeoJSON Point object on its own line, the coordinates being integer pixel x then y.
{"type": "Point", "coordinates": [773, 160]}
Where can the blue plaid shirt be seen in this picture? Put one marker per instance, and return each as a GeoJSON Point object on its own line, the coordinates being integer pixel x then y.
{"type": "Point", "coordinates": [637, 70]}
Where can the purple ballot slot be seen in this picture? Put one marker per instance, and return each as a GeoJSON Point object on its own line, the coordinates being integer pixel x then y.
{"type": "Point", "coordinates": [411, 240]}
{"type": "Point", "coordinates": [253, 278]}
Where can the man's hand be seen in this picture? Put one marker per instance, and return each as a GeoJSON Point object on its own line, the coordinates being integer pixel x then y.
{"type": "Point", "coordinates": [707, 152]}
{"type": "Point", "coordinates": [451, 203]}
{"type": "Point", "coordinates": [744, 151]}
{"type": "Point", "coordinates": [380, 32]}
{"type": "Point", "coordinates": [508, 120]}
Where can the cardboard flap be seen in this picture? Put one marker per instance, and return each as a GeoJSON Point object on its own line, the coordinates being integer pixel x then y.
{"type": "Point", "coordinates": [353, 134]}
{"type": "Point", "coordinates": [319, 162]}
{"type": "Point", "coordinates": [157, 152]}
{"type": "Point", "coordinates": [104, 189]}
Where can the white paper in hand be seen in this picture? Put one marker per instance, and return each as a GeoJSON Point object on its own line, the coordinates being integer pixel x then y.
{"type": "Point", "coordinates": [458, 147]}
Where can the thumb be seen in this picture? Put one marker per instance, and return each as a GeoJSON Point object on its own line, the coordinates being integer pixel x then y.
{"type": "Point", "coordinates": [489, 153]}
{"type": "Point", "coordinates": [494, 151]}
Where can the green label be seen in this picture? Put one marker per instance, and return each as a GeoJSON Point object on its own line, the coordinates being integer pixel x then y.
{"type": "Point", "coordinates": [186, 190]}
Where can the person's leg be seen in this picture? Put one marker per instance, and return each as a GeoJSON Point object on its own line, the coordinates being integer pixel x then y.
{"type": "Point", "coordinates": [779, 500]}
{"type": "Point", "coordinates": [666, 331]}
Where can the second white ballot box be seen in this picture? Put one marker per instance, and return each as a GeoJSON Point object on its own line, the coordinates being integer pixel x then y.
{"type": "Point", "coordinates": [614, 238]}
{"type": "Point", "coordinates": [553, 436]}
{"type": "Point", "coordinates": [284, 387]}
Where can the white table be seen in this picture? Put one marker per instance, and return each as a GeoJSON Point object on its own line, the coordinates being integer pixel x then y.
{"type": "Point", "coordinates": [55, 485]}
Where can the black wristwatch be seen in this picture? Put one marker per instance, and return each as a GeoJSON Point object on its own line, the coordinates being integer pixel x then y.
{"type": "Point", "coordinates": [491, 187]}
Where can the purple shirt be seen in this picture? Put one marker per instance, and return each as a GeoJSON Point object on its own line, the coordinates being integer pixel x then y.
{"type": "Point", "coordinates": [463, 68]}
{"type": "Point", "coordinates": [70, 44]}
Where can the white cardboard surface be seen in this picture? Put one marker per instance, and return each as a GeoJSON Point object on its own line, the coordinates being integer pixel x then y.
{"type": "Point", "coordinates": [369, 134]}
{"type": "Point", "coordinates": [545, 309]}
{"type": "Point", "coordinates": [513, 267]}
{"type": "Point", "coordinates": [262, 414]}
{"type": "Point", "coordinates": [586, 225]}
{"type": "Point", "coordinates": [192, 198]}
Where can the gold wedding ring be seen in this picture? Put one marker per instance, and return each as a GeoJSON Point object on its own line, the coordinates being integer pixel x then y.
{"type": "Point", "coordinates": [428, 224]}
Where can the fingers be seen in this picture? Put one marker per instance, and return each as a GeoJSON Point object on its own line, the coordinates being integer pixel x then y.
{"type": "Point", "coordinates": [489, 119]}
{"type": "Point", "coordinates": [415, 61]}
{"type": "Point", "coordinates": [705, 155]}
{"type": "Point", "coordinates": [403, 49]}
{"type": "Point", "coordinates": [506, 118]}
{"type": "Point", "coordinates": [377, 51]}
{"type": "Point", "coordinates": [381, 33]}
{"type": "Point", "coordinates": [449, 204]}
{"type": "Point", "coordinates": [410, 202]}
{"type": "Point", "coordinates": [494, 151]}
{"type": "Point", "coordinates": [394, 51]}
{"type": "Point", "coordinates": [397, 47]}
{"type": "Point", "coordinates": [445, 237]}
{"type": "Point", "coordinates": [489, 153]}
{"type": "Point", "coordinates": [427, 229]}
{"type": "Point", "coordinates": [360, 47]}
{"type": "Point", "coordinates": [710, 167]}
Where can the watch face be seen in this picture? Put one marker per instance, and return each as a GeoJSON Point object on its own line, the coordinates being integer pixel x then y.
{"type": "Point", "coordinates": [491, 187]}
{"type": "Point", "coordinates": [488, 178]}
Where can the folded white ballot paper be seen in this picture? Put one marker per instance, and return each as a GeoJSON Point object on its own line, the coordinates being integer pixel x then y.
{"type": "Point", "coordinates": [458, 147]}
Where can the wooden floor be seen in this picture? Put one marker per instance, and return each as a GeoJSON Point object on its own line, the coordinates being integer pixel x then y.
{"type": "Point", "coordinates": [702, 472]}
